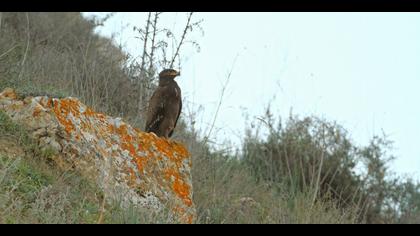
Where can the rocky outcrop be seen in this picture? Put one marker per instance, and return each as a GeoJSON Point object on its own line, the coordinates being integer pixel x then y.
{"type": "Point", "coordinates": [129, 165]}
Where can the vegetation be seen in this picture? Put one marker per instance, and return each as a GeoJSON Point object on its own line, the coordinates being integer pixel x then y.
{"type": "Point", "coordinates": [318, 156]}
{"type": "Point", "coordinates": [304, 170]}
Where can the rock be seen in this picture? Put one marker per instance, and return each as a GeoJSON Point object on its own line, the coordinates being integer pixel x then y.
{"type": "Point", "coordinates": [49, 143]}
{"type": "Point", "coordinates": [247, 202]}
{"type": "Point", "coordinates": [247, 205]}
{"type": "Point", "coordinates": [129, 165]}
{"type": "Point", "coordinates": [39, 133]}
{"type": "Point", "coordinates": [9, 93]}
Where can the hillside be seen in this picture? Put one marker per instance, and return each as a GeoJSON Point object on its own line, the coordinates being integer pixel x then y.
{"type": "Point", "coordinates": [115, 167]}
{"type": "Point", "coordinates": [302, 171]}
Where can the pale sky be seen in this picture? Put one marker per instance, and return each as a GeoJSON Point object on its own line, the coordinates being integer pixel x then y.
{"type": "Point", "coordinates": [359, 69]}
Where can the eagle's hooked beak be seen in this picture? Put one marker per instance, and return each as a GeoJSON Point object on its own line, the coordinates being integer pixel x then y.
{"type": "Point", "coordinates": [174, 73]}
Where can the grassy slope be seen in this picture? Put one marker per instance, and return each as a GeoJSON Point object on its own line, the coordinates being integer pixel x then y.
{"type": "Point", "coordinates": [33, 190]}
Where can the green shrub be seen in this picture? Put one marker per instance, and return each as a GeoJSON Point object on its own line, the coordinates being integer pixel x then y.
{"type": "Point", "coordinates": [317, 155]}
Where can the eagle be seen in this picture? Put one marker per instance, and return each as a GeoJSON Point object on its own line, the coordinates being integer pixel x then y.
{"type": "Point", "coordinates": [165, 105]}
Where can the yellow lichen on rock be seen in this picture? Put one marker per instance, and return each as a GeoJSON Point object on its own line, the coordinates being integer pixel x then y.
{"type": "Point", "coordinates": [123, 160]}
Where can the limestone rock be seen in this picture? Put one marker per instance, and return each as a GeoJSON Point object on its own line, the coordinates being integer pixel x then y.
{"type": "Point", "coordinates": [129, 165]}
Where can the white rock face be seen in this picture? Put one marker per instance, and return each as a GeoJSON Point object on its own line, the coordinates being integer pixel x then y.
{"type": "Point", "coordinates": [129, 165]}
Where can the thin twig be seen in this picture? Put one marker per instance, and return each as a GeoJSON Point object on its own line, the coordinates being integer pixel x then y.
{"type": "Point", "coordinates": [101, 215]}
{"type": "Point", "coordinates": [143, 63]}
{"type": "Point", "coordinates": [27, 46]}
{"type": "Point", "coordinates": [182, 40]}
{"type": "Point", "coordinates": [107, 185]}
{"type": "Point", "coordinates": [152, 50]}
{"type": "Point", "coordinates": [220, 100]}
{"type": "Point", "coordinates": [146, 36]}
{"type": "Point", "coordinates": [317, 184]}
{"type": "Point", "coordinates": [5, 53]}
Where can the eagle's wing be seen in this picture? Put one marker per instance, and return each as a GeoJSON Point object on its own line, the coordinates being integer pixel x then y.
{"type": "Point", "coordinates": [176, 121]}
{"type": "Point", "coordinates": [155, 111]}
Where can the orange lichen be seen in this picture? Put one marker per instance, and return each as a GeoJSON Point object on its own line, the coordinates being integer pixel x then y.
{"type": "Point", "coordinates": [130, 148]}
{"type": "Point", "coordinates": [37, 111]}
{"type": "Point", "coordinates": [68, 125]}
{"type": "Point", "coordinates": [179, 187]}
{"type": "Point", "coordinates": [176, 153]}
{"type": "Point", "coordinates": [62, 109]}
{"type": "Point", "coordinates": [89, 112]}
{"type": "Point", "coordinates": [162, 147]}
{"type": "Point", "coordinates": [141, 163]}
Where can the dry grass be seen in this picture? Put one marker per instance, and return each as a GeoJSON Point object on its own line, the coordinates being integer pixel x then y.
{"type": "Point", "coordinates": [58, 54]}
{"type": "Point", "coordinates": [226, 191]}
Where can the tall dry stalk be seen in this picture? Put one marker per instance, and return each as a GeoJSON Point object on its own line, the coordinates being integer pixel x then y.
{"type": "Point", "coordinates": [27, 47]}
{"type": "Point", "coordinates": [187, 26]}
{"type": "Point", "coordinates": [145, 39]}
{"type": "Point", "coordinates": [224, 87]}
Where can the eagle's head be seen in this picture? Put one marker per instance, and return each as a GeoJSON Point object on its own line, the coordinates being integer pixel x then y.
{"type": "Point", "coordinates": [168, 74]}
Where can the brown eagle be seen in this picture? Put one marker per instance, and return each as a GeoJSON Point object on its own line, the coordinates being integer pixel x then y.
{"type": "Point", "coordinates": [164, 105]}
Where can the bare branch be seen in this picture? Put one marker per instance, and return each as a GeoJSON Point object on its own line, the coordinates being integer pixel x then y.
{"type": "Point", "coordinates": [27, 46]}
{"type": "Point", "coordinates": [9, 50]}
{"type": "Point", "coordinates": [187, 26]}
{"type": "Point", "coordinates": [153, 47]}
{"type": "Point", "coordinates": [206, 138]}
{"type": "Point", "coordinates": [146, 35]}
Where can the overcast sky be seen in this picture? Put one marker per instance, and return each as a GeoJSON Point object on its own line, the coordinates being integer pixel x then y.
{"type": "Point", "coordinates": [359, 69]}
